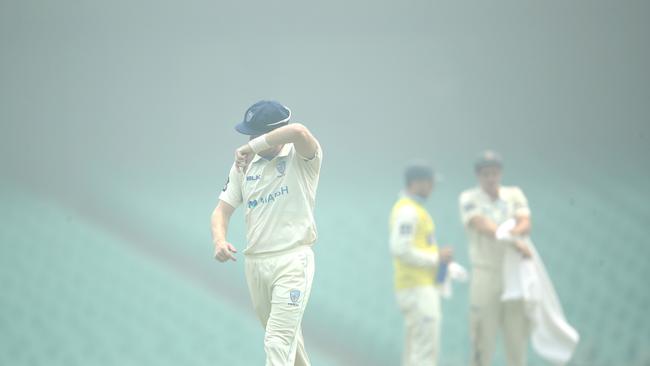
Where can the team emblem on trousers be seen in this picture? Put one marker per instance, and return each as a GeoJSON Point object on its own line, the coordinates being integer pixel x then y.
{"type": "Point", "coordinates": [294, 295]}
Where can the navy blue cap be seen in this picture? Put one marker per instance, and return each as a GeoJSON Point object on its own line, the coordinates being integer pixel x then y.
{"type": "Point", "coordinates": [262, 117]}
{"type": "Point", "coordinates": [488, 158]}
{"type": "Point", "coordinates": [418, 170]}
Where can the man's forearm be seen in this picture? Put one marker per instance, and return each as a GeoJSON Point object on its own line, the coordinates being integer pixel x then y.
{"type": "Point", "coordinates": [223, 251]}
{"type": "Point", "coordinates": [523, 226]}
{"type": "Point", "coordinates": [417, 258]}
{"type": "Point", "coordinates": [295, 133]}
{"type": "Point", "coordinates": [483, 225]}
{"type": "Point", "coordinates": [286, 134]}
{"type": "Point", "coordinates": [219, 226]}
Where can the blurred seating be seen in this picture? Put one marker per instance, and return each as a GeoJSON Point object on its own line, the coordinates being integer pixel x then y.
{"type": "Point", "coordinates": [76, 292]}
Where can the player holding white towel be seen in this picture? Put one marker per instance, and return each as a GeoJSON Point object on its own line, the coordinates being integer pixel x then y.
{"type": "Point", "coordinates": [482, 210]}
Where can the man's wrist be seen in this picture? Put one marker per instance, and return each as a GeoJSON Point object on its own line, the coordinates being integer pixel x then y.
{"type": "Point", "coordinates": [245, 149]}
{"type": "Point", "coordinates": [520, 232]}
{"type": "Point", "coordinates": [259, 144]}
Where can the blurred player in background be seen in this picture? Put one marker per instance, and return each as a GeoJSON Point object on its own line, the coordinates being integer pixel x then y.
{"type": "Point", "coordinates": [416, 260]}
{"type": "Point", "coordinates": [275, 175]}
{"type": "Point", "coordinates": [483, 209]}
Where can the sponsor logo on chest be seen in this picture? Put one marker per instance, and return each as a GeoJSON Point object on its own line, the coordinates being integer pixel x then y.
{"type": "Point", "coordinates": [498, 211]}
{"type": "Point", "coordinates": [268, 198]}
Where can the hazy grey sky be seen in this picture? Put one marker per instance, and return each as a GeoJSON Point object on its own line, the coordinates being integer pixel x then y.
{"type": "Point", "coordinates": [141, 84]}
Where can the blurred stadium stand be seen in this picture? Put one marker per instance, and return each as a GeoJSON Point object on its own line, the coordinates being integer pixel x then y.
{"type": "Point", "coordinates": [129, 279]}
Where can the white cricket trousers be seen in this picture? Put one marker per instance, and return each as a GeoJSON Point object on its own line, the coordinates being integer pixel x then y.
{"type": "Point", "coordinates": [489, 316]}
{"type": "Point", "coordinates": [279, 286]}
{"type": "Point", "coordinates": [420, 307]}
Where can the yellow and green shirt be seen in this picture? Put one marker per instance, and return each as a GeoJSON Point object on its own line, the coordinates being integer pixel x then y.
{"type": "Point", "coordinates": [412, 244]}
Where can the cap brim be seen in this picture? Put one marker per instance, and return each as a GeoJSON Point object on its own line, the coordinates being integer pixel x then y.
{"type": "Point", "coordinates": [244, 129]}
{"type": "Point", "coordinates": [486, 164]}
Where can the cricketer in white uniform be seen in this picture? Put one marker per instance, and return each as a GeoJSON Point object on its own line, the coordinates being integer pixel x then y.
{"type": "Point", "coordinates": [482, 210]}
{"type": "Point", "coordinates": [417, 260]}
{"type": "Point", "coordinates": [275, 176]}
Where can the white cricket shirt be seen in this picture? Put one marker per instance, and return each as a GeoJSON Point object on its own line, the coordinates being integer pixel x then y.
{"type": "Point", "coordinates": [279, 197]}
{"type": "Point", "coordinates": [485, 252]}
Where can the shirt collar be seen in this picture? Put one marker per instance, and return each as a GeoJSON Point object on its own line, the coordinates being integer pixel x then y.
{"type": "Point", "coordinates": [487, 196]}
{"type": "Point", "coordinates": [286, 149]}
{"type": "Point", "coordinates": [417, 199]}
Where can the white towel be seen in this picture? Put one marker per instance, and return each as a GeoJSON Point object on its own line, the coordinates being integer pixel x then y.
{"type": "Point", "coordinates": [455, 273]}
{"type": "Point", "coordinates": [553, 338]}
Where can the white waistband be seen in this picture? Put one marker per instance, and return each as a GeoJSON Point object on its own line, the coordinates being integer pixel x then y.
{"type": "Point", "coordinates": [298, 249]}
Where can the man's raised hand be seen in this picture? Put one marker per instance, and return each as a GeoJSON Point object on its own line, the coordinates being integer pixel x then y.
{"type": "Point", "coordinates": [243, 156]}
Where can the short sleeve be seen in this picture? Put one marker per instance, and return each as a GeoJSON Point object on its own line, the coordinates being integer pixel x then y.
{"type": "Point", "coordinates": [520, 203]}
{"type": "Point", "coordinates": [469, 208]}
{"type": "Point", "coordinates": [404, 223]}
{"type": "Point", "coordinates": [311, 167]}
{"type": "Point", "coordinates": [231, 192]}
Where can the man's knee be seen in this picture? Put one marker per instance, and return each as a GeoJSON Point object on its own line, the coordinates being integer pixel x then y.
{"type": "Point", "coordinates": [279, 340]}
